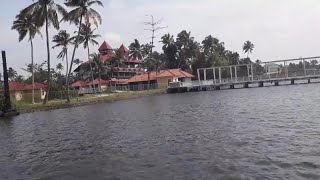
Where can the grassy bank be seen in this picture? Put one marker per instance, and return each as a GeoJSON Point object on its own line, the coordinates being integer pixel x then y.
{"type": "Point", "coordinates": [84, 100]}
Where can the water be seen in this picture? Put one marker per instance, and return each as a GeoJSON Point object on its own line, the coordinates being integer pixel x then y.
{"type": "Point", "coordinates": [256, 133]}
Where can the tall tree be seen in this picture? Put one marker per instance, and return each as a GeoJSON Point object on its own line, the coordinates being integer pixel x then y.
{"type": "Point", "coordinates": [98, 65]}
{"type": "Point", "coordinates": [87, 37]}
{"type": "Point", "coordinates": [26, 27]}
{"type": "Point", "coordinates": [63, 40]}
{"type": "Point", "coordinates": [59, 67]}
{"type": "Point", "coordinates": [135, 50]}
{"type": "Point", "coordinates": [45, 12]}
{"type": "Point", "coordinates": [247, 47]}
{"type": "Point", "coordinates": [81, 10]}
{"type": "Point", "coordinates": [12, 74]}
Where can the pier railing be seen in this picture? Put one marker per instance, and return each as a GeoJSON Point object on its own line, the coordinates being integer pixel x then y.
{"type": "Point", "coordinates": [261, 71]}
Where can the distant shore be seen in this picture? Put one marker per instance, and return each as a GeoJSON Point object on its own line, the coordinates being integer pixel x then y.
{"type": "Point", "coordinates": [86, 100]}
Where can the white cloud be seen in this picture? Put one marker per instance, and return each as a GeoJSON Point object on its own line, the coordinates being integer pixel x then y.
{"type": "Point", "coordinates": [114, 39]}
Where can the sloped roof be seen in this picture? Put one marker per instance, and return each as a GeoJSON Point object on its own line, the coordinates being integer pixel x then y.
{"type": "Point", "coordinates": [178, 73]}
{"type": "Point", "coordinates": [36, 86]}
{"type": "Point", "coordinates": [105, 46]}
{"type": "Point", "coordinates": [119, 81]}
{"type": "Point", "coordinates": [175, 73]}
{"type": "Point", "coordinates": [16, 86]}
{"type": "Point", "coordinates": [79, 84]}
{"type": "Point", "coordinates": [144, 77]}
{"type": "Point", "coordinates": [98, 82]}
{"type": "Point", "coordinates": [123, 49]}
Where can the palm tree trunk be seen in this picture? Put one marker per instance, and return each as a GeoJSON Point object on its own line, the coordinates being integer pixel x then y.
{"type": "Point", "coordinates": [32, 70]}
{"type": "Point", "coordinates": [67, 63]}
{"type": "Point", "coordinates": [46, 99]}
{"type": "Point", "coordinates": [72, 59]}
{"type": "Point", "coordinates": [91, 72]}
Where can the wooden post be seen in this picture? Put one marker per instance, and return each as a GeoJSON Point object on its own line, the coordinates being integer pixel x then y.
{"type": "Point", "coordinates": [205, 74]}
{"type": "Point", "coordinates": [214, 75]}
{"type": "Point", "coordinates": [7, 103]}
{"type": "Point", "coordinates": [220, 75]}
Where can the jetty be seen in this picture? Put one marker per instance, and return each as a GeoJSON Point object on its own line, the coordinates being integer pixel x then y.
{"type": "Point", "coordinates": [260, 74]}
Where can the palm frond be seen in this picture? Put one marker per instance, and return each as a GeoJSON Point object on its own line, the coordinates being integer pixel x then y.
{"type": "Point", "coordinates": [95, 2]}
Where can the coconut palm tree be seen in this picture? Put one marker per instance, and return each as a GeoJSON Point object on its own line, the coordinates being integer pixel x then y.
{"type": "Point", "coordinates": [87, 37]}
{"type": "Point", "coordinates": [82, 10]}
{"type": "Point", "coordinates": [63, 39]}
{"type": "Point", "coordinates": [26, 27]}
{"type": "Point", "coordinates": [12, 74]}
{"type": "Point", "coordinates": [135, 50]}
{"type": "Point", "coordinates": [98, 65]}
{"type": "Point", "coordinates": [45, 12]}
{"type": "Point", "coordinates": [59, 67]}
{"type": "Point", "coordinates": [247, 48]}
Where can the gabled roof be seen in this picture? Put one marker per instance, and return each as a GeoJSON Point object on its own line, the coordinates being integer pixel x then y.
{"type": "Point", "coordinates": [37, 86]}
{"type": "Point", "coordinates": [175, 73]}
{"type": "Point", "coordinates": [79, 84]}
{"type": "Point", "coordinates": [105, 46]}
{"type": "Point", "coordinates": [144, 77]}
{"type": "Point", "coordinates": [16, 86]}
{"type": "Point", "coordinates": [178, 73]}
{"type": "Point", "coordinates": [123, 49]}
{"type": "Point", "coordinates": [98, 82]}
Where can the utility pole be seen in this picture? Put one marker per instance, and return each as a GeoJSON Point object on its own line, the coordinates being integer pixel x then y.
{"type": "Point", "coordinates": [153, 27]}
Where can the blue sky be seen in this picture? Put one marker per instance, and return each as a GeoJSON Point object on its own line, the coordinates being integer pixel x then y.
{"type": "Point", "coordinates": [279, 29]}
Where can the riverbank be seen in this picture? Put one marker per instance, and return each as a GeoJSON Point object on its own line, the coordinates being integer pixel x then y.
{"type": "Point", "coordinates": [85, 100]}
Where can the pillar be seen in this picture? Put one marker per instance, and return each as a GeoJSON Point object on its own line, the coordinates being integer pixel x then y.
{"type": "Point", "coordinates": [304, 68]}
{"type": "Point", "coordinates": [214, 76]}
{"type": "Point", "coordinates": [248, 72]}
{"type": "Point", "coordinates": [220, 75]}
{"type": "Point", "coordinates": [235, 74]}
{"type": "Point", "coordinates": [251, 72]}
{"type": "Point", "coordinates": [205, 74]}
{"type": "Point", "coordinates": [198, 72]}
{"type": "Point", "coordinates": [231, 73]}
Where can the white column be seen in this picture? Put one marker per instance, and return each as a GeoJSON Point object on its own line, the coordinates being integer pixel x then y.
{"type": "Point", "coordinates": [214, 75]}
{"type": "Point", "coordinates": [251, 72]}
{"type": "Point", "coordinates": [304, 68]}
{"type": "Point", "coordinates": [235, 73]}
{"type": "Point", "coordinates": [220, 75]}
{"type": "Point", "coordinates": [205, 74]}
{"type": "Point", "coordinates": [231, 72]}
{"type": "Point", "coordinates": [198, 72]}
{"type": "Point", "coordinates": [248, 72]}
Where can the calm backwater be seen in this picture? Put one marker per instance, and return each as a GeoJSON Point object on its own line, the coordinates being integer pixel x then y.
{"type": "Point", "coordinates": [256, 133]}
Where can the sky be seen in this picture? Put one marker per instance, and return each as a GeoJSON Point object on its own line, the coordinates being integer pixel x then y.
{"type": "Point", "coordinates": [279, 29]}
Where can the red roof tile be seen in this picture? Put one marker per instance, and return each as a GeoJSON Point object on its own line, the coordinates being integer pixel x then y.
{"type": "Point", "coordinates": [105, 47]}
{"type": "Point", "coordinates": [37, 86]}
{"type": "Point", "coordinates": [98, 82]}
{"type": "Point", "coordinates": [175, 73]}
{"type": "Point", "coordinates": [119, 81]}
{"type": "Point", "coordinates": [79, 84]}
{"type": "Point", "coordinates": [163, 73]}
{"type": "Point", "coordinates": [16, 86]}
{"type": "Point", "coordinates": [123, 49]}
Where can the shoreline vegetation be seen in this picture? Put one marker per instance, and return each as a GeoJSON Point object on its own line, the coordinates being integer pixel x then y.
{"type": "Point", "coordinates": [84, 100]}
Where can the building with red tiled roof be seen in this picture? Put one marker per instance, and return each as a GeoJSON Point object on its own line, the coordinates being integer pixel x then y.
{"type": "Point", "coordinates": [128, 68]}
{"type": "Point", "coordinates": [21, 91]}
{"type": "Point", "coordinates": [160, 78]}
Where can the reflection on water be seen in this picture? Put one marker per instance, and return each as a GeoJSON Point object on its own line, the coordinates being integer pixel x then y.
{"type": "Point", "coordinates": [257, 133]}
